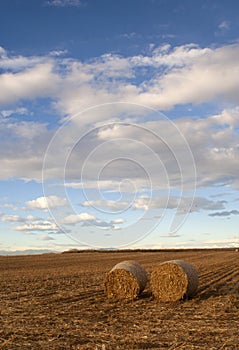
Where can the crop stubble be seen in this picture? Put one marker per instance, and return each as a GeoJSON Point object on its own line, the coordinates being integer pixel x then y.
{"type": "Point", "coordinates": [57, 302]}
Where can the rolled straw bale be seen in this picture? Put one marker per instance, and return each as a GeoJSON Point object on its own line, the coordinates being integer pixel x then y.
{"type": "Point", "coordinates": [174, 280]}
{"type": "Point", "coordinates": [126, 280]}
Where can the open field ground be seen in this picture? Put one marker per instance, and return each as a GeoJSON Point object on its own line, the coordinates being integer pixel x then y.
{"type": "Point", "coordinates": [57, 302]}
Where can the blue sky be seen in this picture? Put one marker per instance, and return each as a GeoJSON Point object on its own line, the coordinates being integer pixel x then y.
{"type": "Point", "coordinates": [119, 124]}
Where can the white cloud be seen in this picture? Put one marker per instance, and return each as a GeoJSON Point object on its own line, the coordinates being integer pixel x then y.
{"type": "Point", "coordinates": [109, 78]}
{"type": "Point", "coordinates": [198, 204]}
{"type": "Point", "coordinates": [37, 226]}
{"type": "Point", "coordinates": [224, 25]}
{"type": "Point", "coordinates": [86, 220]}
{"type": "Point", "coordinates": [101, 184]}
{"type": "Point", "coordinates": [35, 82]}
{"type": "Point", "coordinates": [190, 74]}
{"type": "Point", "coordinates": [108, 185]}
{"type": "Point", "coordinates": [144, 202]}
{"type": "Point", "coordinates": [219, 243]}
{"type": "Point", "coordinates": [210, 76]}
{"type": "Point", "coordinates": [3, 52]}
{"type": "Point", "coordinates": [57, 53]}
{"type": "Point", "coordinates": [12, 218]}
{"type": "Point", "coordinates": [118, 221]}
{"type": "Point", "coordinates": [17, 63]}
{"type": "Point", "coordinates": [45, 238]}
{"type": "Point", "coordinates": [180, 75]}
{"type": "Point", "coordinates": [32, 218]}
{"type": "Point", "coordinates": [116, 228]}
{"type": "Point", "coordinates": [43, 203]}
{"type": "Point", "coordinates": [166, 56]}
{"type": "Point", "coordinates": [213, 141]}
{"type": "Point", "coordinates": [131, 35]}
{"type": "Point", "coordinates": [65, 3]}
{"type": "Point", "coordinates": [76, 218]}
{"type": "Point", "coordinates": [9, 112]}
{"type": "Point", "coordinates": [22, 148]}
{"type": "Point", "coordinates": [193, 75]}
{"type": "Point", "coordinates": [229, 118]}
{"type": "Point", "coordinates": [110, 204]}
{"type": "Point", "coordinates": [9, 206]}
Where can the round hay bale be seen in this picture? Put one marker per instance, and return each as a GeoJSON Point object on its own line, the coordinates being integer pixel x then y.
{"type": "Point", "coordinates": [174, 280]}
{"type": "Point", "coordinates": [126, 280]}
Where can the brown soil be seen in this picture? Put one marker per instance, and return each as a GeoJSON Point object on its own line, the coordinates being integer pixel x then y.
{"type": "Point", "coordinates": [57, 302]}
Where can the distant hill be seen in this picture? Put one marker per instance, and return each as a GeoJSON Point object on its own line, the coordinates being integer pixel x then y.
{"type": "Point", "coordinates": [26, 252]}
{"type": "Point", "coordinates": [75, 250]}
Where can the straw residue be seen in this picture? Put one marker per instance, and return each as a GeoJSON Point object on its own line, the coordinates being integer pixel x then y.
{"type": "Point", "coordinates": [126, 280]}
{"type": "Point", "coordinates": [174, 280]}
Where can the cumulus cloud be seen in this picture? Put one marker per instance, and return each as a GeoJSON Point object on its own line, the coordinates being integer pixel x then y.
{"type": "Point", "coordinates": [18, 63]}
{"type": "Point", "coordinates": [76, 218]}
{"type": "Point", "coordinates": [165, 55]}
{"type": "Point", "coordinates": [208, 77]}
{"type": "Point", "coordinates": [188, 74]}
{"type": "Point", "coordinates": [45, 203]}
{"type": "Point", "coordinates": [38, 81]}
{"type": "Point", "coordinates": [213, 141]}
{"type": "Point", "coordinates": [85, 219]}
{"type": "Point", "coordinates": [162, 79]}
{"type": "Point", "coordinates": [26, 158]}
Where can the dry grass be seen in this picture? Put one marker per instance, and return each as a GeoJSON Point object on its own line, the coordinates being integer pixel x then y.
{"type": "Point", "coordinates": [57, 302]}
{"type": "Point", "coordinates": [174, 280]}
{"type": "Point", "coordinates": [126, 280]}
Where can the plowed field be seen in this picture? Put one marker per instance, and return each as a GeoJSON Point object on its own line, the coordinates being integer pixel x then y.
{"type": "Point", "coordinates": [57, 302]}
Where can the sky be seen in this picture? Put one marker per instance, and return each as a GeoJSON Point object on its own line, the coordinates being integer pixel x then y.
{"type": "Point", "coordinates": [119, 124]}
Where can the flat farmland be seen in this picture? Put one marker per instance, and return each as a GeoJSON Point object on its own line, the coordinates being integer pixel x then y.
{"type": "Point", "coordinates": [57, 301]}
